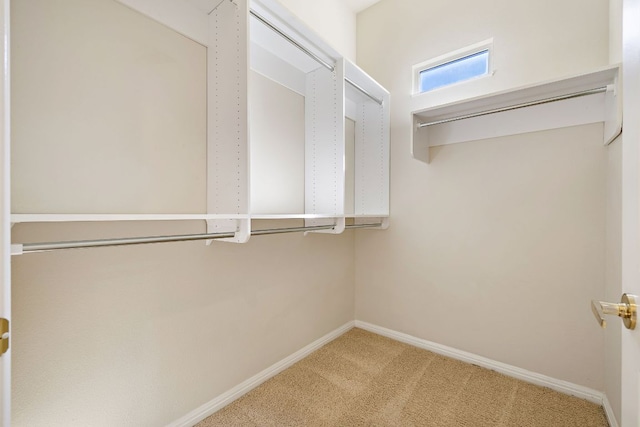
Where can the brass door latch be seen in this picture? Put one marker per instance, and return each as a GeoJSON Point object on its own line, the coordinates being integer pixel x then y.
{"type": "Point", "coordinates": [626, 309]}
{"type": "Point", "coordinates": [4, 336]}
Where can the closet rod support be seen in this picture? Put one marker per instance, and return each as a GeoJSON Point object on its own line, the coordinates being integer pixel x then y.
{"type": "Point", "coordinates": [515, 107]}
{"type": "Point", "coordinates": [363, 91]}
{"type": "Point", "coordinates": [292, 41]}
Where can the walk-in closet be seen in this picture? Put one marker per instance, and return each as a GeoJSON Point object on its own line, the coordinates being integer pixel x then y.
{"type": "Point", "coordinates": [337, 213]}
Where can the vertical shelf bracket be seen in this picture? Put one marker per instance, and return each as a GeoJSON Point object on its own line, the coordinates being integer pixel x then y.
{"type": "Point", "coordinates": [241, 228]}
{"type": "Point", "coordinates": [613, 112]}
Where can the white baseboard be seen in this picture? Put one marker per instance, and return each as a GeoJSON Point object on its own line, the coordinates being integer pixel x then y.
{"type": "Point", "coordinates": [608, 410]}
{"type": "Point", "coordinates": [238, 391]}
{"type": "Point", "coordinates": [509, 370]}
{"type": "Point", "coordinates": [561, 386]}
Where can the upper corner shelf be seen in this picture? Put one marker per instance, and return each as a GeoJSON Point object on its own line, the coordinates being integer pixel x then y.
{"type": "Point", "coordinates": [575, 100]}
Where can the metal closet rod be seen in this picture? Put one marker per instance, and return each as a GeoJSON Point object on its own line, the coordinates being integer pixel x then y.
{"type": "Point", "coordinates": [292, 41]}
{"type": "Point", "coordinates": [310, 54]}
{"type": "Point", "coordinates": [128, 241]}
{"type": "Point", "coordinates": [516, 107]}
{"type": "Point", "coordinates": [348, 227]}
{"type": "Point", "coordinates": [364, 91]}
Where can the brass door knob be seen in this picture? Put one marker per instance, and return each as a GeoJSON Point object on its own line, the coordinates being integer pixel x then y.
{"type": "Point", "coordinates": [626, 309]}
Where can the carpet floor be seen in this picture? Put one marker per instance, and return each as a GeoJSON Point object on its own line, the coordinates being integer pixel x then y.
{"type": "Point", "coordinates": [363, 379]}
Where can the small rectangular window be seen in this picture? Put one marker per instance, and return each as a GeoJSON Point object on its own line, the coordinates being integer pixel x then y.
{"type": "Point", "coordinates": [455, 67]}
{"type": "Point", "coordinates": [465, 68]}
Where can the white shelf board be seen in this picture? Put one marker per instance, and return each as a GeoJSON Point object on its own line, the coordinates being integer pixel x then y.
{"type": "Point", "coordinates": [358, 76]}
{"type": "Point", "coordinates": [598, 78]}
{"type": "Point", "coordinates": [188, 18]}
{"type": "Point", "coordinates": [23, 218]}
{"type": "Point", "coordinates": [294, 216]}
{"type": "Point", "coordinates": [32, 218]}
{"type": "Point", "coordinates": [604, 107]}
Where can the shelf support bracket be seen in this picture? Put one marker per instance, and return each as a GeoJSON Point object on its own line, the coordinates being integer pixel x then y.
{"type": "Point", "coordinates": [241, 228]}
{"type": "Point", "coordinates": [338, 223]}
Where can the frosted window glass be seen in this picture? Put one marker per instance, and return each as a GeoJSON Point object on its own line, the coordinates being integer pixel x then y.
{"type": "Point", "coordinates": [455, 71]}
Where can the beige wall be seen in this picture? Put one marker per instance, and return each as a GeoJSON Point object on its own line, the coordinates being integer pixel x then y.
{"type": "Point", "coordinates": [86, 94]}
{"type": "Point", "coordinates": [277, 147]}
{"type": "Point", "coordinates": [531, 43]}
{"type": "Point", "coordinates": [496, 247]}
{"type": "Point", "coordinates": [332, 19]}
{"type": "Point", "coordinates": [615, 31]}
{"type": "Point", "coordinates": [141, 336]}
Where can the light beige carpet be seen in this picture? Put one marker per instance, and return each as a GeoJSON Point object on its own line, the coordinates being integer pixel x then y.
{"type": "Point", "coordinates": [363, 379]}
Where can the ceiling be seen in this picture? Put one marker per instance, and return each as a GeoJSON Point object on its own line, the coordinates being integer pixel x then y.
{"type": "Point", "coordinates": [360, 5]}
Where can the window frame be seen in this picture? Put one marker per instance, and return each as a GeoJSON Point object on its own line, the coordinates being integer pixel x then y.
{"type": "Point", "coordinates": [486, 45]}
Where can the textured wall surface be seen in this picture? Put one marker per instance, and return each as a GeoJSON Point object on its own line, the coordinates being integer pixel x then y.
{"type": "Point", "coordinates": [332, 19]}
{"type": "Point", "coordinates": [141, 336]}
{"type": "Point", "coordinates": [497, 246]}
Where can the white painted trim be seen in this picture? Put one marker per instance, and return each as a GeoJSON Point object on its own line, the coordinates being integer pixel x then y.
{"type": "Point", "coordinates": [509, 370]}
{"type": "Point", "coordinates": [630, 277]}
{"type": "Point", "coordinates": [5, 214]}
{"type": "Point", "coordinates": [238, 391]}
{"type": "Point", "coordinates": [608, 410]}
